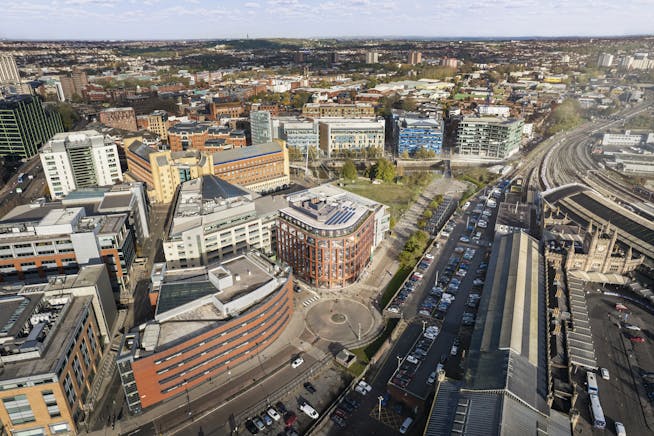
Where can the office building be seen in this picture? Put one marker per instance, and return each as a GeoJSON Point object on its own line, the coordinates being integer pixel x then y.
{"type": "Point", "coordinates": [9, 74]}
{"type": "Point", "coordinates": [350, 135]}
{"type": "Point", "coordinates": [486, 110]}
{"type": "Point", "coordinates": [119, 118]}
{"type": "Point", "coordinates": [488, 137]}
{"type": "Point", "coordinates": [261, 127]}
{"type": "Point", "coordinates": [230, 109]}
{"type": "Point", "coordinates": [208, 320]}
{"type": "Point", "coordinates": [25, 125]}
{"type": "Point", "coordinates": [171, 168]}
{"type": "Point", "coordinates": [605, 60]}
{"type": "Point", "coordinates": [505, 390]}
{"type": "Point", "coordinates": [299, 134]}
{"type": "Point", "coordinates": [53, 336]}
{"type": "Point", "coordinates": [204, 137]}
{"type": "Point", "coordinates": [335, 110]}
{"type": "Point", "coordinates": [155, 122]}
{"type": "Point", "coordinates": [259, 168]}
{"type": "Point", "coordinates": [419, 132]}
{"type": "Point", "coordinates": [124, 198]}
{"type": "Point", "coordinates": [626, 139]}
{"type": "Point", "coordinates": [328, 235]}
{"type": "Point", "coordinates": [80, 160]}
{"type": "Point", "coordinates": [39, 240]}
{"type": "Point", "coordinates": [74, 83]}
{"type": "Point", "coordinates": [213, 219]}
{"type": "Point", "coordinates": [372, 57]}
{"type": "Point", "coordinates": [414, 58]}
{"type": "Point", "coordinates": [138, 162]}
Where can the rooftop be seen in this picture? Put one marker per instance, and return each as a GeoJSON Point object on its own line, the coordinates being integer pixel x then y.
{"type": "Point", "coordinates": [236, 154]}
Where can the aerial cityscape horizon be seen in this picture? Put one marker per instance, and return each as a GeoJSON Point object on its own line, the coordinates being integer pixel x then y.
{"type": "Point", "coordinates": [243, 234]}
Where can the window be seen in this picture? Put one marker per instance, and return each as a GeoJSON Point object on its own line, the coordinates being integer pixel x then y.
{"type": "Point", "coordinates": [85, 354]}
{"type": "Point", "coordinates": [18, 409]}
{"type": "Point", "coordinates": [51, 403]}
{"type": "Point", "coordinates": [77, 368]}
{"type": "Point", "coordinates": [71, 396]}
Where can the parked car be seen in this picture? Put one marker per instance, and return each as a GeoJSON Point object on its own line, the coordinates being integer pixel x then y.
{"type": "Point", "coordinates": [411, 358]}
{"type": "Point", "coordinates": [605, 374]}
{"type": "Point", "coordinates": [289, 418]}
{"type": "Point", "coordinates": [309, 410]}
{"type": "Point", "coordinates": [251, 427]}
{"type": "Point", "coordinates": [266, 419]}
{"type": "Point", "coordinates": [637, 339]}
{"type": "Point", "coordinates": [297, 362]}
{"type": "Point", "coordinates": [258, 423]}
{"type": "Point", "coordinates": [273, 414]}
{"type": "Point", "coordinates": [365, 386]}
{"type": "Point", "coordinates": [281, 408]}
{"type": "Point", "coordinates": [454, 350]}
{"type": "Point", "coordinates": [432, 378]}
{"type": "Point", "coordinates": [309, 387]}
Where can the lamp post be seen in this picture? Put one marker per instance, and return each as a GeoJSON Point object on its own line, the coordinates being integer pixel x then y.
{"type": "Point", "coordinates": [188, 399]}
{"type": "Point", "coordinates": [380, 398]}
{"type": "Point", "coordinates": [399, 362]}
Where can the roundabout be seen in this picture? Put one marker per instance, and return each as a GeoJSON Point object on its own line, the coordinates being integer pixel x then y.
{"type": "Point", "coordinates": [339, 320]}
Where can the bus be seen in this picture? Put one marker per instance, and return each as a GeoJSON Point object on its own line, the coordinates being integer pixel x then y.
{"type": "Point", "coordinates": [596, 412]}
{"type": "Point", "coordinates": [592, 383]}
{"type": "Point", "coordinates": [20, 177]}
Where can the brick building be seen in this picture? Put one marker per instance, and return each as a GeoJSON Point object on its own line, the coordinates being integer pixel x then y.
{"type": "Point", "coordinates": [207, 321]}
{"type": "Point", "coordinates": [230, 109]}
{"type": "Point", "coordinates": [334, 110]}
{"type": "Point", "coordinates": [328, 235]}
{"type": "Point", "coordinates": [204, 137]}
{"type": "Point", "coordinates": [119, 118]}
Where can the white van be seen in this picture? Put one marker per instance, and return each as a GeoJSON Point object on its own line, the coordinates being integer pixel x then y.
{"type": "Point", "coordinates": [405, 425]}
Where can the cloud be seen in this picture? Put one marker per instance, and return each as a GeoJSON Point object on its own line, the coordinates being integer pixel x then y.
{"type": "Point", "coordinates": [252, 5]}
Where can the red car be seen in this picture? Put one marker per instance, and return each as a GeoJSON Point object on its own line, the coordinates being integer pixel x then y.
{"type": "Point", "coordinates": [637, 339]}
{"type": "Point", "coordinates": [290, 418]}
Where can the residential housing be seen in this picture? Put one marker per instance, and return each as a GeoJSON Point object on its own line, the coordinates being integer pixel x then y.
{"type": "Point", "coordinates": [488, 137]}
{"type": "Point", "coordinates": [119, 118]}
{"type": "Point", "coordinates": [335, 110]}
{"type": "Point", "coordinates": [350, 135]}
{"type": "Point", "coordinates": [419, 132]}
{"type": "Point", "coordinates": [80, 160]}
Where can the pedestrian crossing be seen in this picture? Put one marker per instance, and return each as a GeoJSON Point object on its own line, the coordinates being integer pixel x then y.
{"type": "Point", "coordinates": [308, 302]}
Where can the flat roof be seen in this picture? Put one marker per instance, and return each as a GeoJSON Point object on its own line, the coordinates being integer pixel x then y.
{"type": "Point", "coordinates": [119, 201]}
{"type": "Point", "coordinates": [240, 153]}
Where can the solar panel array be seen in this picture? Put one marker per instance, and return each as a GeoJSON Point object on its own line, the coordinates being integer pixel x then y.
{"type": "Point", "coordinates": [342, 216]}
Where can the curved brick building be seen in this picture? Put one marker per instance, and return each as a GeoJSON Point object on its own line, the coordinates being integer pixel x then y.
{"type": "Point", "coordinates": [207, 321]}
{"type": "Point", "coordinates": [328, 235]}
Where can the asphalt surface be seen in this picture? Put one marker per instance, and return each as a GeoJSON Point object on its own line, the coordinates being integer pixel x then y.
{"type": "Point", "coordinates": [619, 395]}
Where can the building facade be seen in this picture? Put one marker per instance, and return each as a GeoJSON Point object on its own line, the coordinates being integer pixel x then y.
{"type": "Point", "coordinates": [9, 74]}
{"type": "Point", "coordinates": [25, 125]}
{"type": "Point", "coordinates": [213, 219]}
{"type": "Point", "coordinates": [229, 313]}
{"type": "Point", "coordinates": [486, 137]}
{"type": "Point", "coordinates": [52, 344]}
{"type": "Point", "coordinates": [37, 242]}
{"type": "Point", "coordinates": [74, 83]}
{"type": "Point", "coordinates": [231, 109]}
{"type": "Point", "coordinates": [204, 137]}
{"type": "Point", "coordinates": [260, 168]}
{"type": "Point", "coordinates": [155, 122]}
{"type": "Point", "coordinates": [416, 133]}
{"type": "Point", "coordinates": [301, 135]}
{"type": "Point", "coordinates": [335, 110]}
{"type": "Point", "coordinates": [337, 137]}
{"type": "Point", "coordinates": [120, 118]}
{"type": "Point", "coordinates": [170, 169]}
{"type": "Point", "coordinates": [328, 235]}
{"type": "Point", "coordinates": [372, 57]}
{"type": "Point", "coordinates": [414, 58]}
{"type": "Point", "coordinates": [80, 160]}
{"type": "Point", "coordinates": [261, 127]}
{"type": "Point", "coordinates": [605, 60]}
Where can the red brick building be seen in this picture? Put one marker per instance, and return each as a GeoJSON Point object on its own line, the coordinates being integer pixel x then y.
{"type": "Point", "coordinates": [119, 118]}
{"type": "Point", "coordinates": [197, 136]}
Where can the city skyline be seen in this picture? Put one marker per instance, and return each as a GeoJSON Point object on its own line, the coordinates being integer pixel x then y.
{"type": "Point", "coordinates": [192, 19]}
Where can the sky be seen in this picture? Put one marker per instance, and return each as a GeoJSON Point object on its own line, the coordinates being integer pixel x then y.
{"type": "Point", "coordinates": [215, 19]}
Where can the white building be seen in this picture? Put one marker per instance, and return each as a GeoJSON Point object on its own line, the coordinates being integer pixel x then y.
{"type": "Point", "coordinates": [372, 57]}
{"type": "Point", "coordinates": [350, 135]}
{"type": "Point", "coordinates": [489, 110]}
{"type": "Point", "coordinates": [298, 133]}
{"type": "Point", "coordinates": [605, 60]}
{"type": "Point", "coordinates": [213, 219]}
{"type": "Point", "coordinates": [79, 160]}
{"type": "Point", "coordinates": [8, 70]}
{"type": "Point", "coordinates": [622, 139]}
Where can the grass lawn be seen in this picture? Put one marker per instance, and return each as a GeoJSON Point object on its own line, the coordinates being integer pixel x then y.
{"type": "Point", "coordinates": [396, 197]}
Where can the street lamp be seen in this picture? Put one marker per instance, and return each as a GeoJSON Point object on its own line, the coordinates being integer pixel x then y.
{"type": "Point", "coordinates": [380, 398]}
{"type": "Point", "coordinates": [399, 362]}
{"type": "Point", "coordinates": [424, 325]}
{"type": "Point", "coordinates": [188, 400]}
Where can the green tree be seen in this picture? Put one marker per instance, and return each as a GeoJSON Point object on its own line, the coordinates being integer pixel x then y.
{"type": "Point", "coordinates": [69, 115]}
{"type": "Point", "coordinates": [383, 170]}
{"type": "Point", "coordinates": [349, 171]}
{"type": "Point", "coordinates": [565, 116]}
{"type": "Point", "coordinates": [405, 154]}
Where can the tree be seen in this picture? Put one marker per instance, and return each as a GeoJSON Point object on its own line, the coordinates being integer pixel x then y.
{"type": "Point", "coordinates": [349, 171]}
{"type": "Point", "coordinates": [69, 115]}
{"type": "Point", "coordinates": [383, 170]}
{"type": "Point", "coordinates": [405, 154]}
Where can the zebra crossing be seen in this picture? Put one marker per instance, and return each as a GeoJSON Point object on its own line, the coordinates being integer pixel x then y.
{"type": "Point", "coordinates": [308, 302]}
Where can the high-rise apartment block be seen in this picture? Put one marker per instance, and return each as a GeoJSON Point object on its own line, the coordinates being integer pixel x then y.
{"type": "Point", "coordinates": [419, 132]}
{"type": "Point", "coordinates": [328, 235]}
{"type": "Point", "coordinates": [450, 62]}
{"type": "Point", "coordinates": [213, 219]}
{"type": "Point", "coordinates": [8, 70]}
{"type": "Point", "coordinates": [74, 83]}
{"type": "Point", "coordinates": [372, 57]}
{"type": "Point", "coordinates": [605, 60]}
{"type": "Point", "coordinates": [119, 118]}
{"type": "Point", "coordinates": [345, 135]}
{"type": "Point", "coordinates": [261, 127]}
{"type": "Point", "coordinates": [414, 58]}
{"type": "Point", "coordinates": [25, 125]}
{"type": "Point", "coordinates": [80, 160]}
{"type": "Point", "coordinates": [334, 110]}
{"type": "Point", "coordinates": [488, 137]}
{"type": "Point", "coordinates": [52, 343]}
